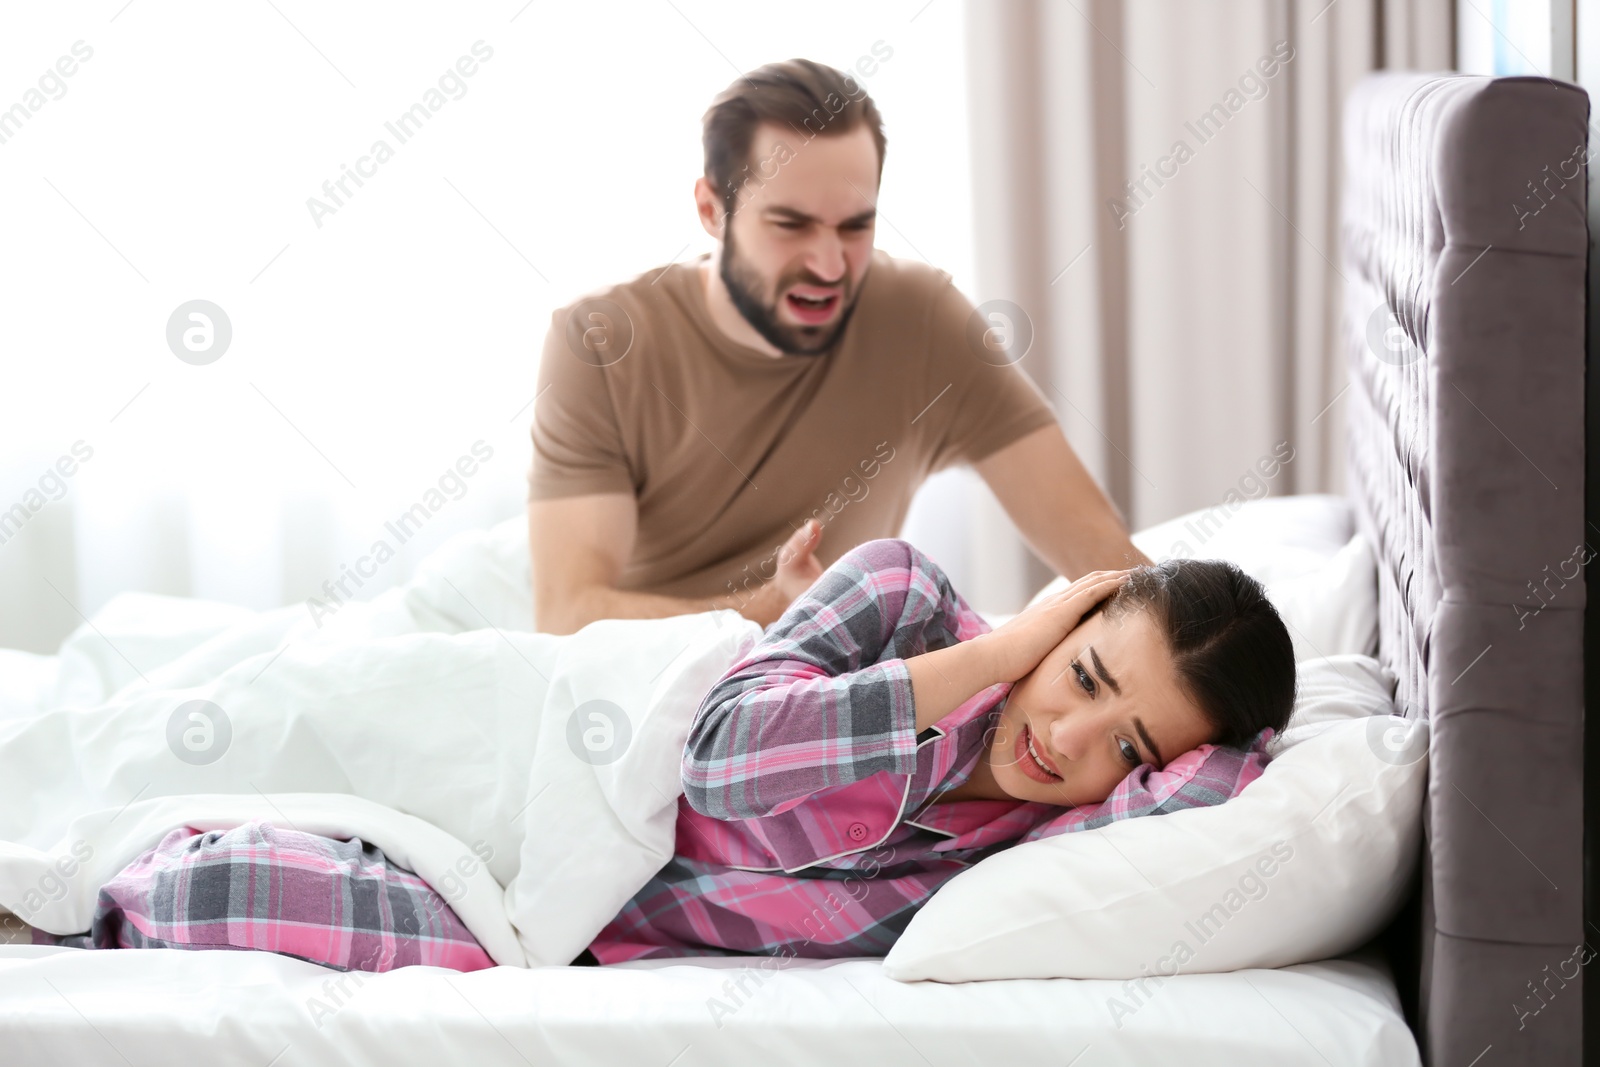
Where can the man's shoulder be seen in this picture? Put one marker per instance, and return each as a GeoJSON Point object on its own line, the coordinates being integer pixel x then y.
{"type": "Point", "coordinates": [640, 292]}
{"type": "Point", "coordinates": [637, 314]}
{"type": "Point", "coordinates": [901, 282]}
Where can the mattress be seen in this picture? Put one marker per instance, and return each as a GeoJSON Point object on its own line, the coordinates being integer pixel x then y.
{"type": "Point", "coordinates": [255, 1009]}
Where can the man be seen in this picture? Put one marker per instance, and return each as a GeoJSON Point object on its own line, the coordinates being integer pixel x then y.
{"type": "Point", "coordinates": [714, 433]}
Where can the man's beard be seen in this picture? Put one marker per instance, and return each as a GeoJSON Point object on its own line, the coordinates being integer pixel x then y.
{"type": "Point", "coordinates": [744, 287]}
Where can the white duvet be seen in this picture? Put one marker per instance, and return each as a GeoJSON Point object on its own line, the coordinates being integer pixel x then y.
{"type": "Point", "coordinates": [531, 779]}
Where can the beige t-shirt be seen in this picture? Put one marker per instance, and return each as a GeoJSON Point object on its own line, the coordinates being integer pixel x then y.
{"type": "Point", "coordinates": [728, 450]}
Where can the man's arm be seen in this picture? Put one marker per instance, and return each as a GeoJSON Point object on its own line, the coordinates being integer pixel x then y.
{"type": "Point", "coordinates": [579, 545]}
{"type": "Point", "coordinates": [1059, 510]}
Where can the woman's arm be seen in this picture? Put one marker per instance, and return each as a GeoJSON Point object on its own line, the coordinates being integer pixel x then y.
{"type": "Point", "coordinates": [839, 688]}
{"type": "Point", "coordinates": [945, 679]}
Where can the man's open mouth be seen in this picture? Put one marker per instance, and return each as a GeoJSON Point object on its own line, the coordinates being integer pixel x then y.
{"type": "Point", "coordinates": [812, 309]}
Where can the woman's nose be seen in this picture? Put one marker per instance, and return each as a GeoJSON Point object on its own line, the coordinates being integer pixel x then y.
{"type": "Point", "coordinates": [1067, 736]}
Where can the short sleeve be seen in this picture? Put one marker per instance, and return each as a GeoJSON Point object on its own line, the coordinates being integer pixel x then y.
{"type": "Point", "coordinates": [986, 403]}
{"type": "Point", "coordinates": [577, 441]}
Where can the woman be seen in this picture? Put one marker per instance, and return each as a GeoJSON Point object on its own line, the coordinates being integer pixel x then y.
{"type": "Point", "coordinates": [878, 739]}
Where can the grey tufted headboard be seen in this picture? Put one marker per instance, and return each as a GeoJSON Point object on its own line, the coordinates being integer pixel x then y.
{"type": "Point", "coordinates": [1464, 218]}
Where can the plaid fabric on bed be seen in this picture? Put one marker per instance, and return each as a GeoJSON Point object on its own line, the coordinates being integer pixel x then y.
{"type": "Point", "coordinates": [342, 904]}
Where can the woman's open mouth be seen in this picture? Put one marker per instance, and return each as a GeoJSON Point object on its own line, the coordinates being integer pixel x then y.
{"type": "Point", "coordinates": [1029, 762]}
{"type": "Point", "coordinates": [811, 309]}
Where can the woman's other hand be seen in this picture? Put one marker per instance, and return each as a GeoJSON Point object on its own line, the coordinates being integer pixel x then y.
{"type": "Point", "coordinates": [1024, 641]}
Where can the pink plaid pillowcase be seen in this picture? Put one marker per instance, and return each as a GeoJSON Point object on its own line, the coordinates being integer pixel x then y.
{"type": "Point", "coordinates": [1202, 777]}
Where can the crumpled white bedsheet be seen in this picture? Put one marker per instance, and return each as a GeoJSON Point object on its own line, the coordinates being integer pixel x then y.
{"type": "Point", "coordinates": [430, 721]}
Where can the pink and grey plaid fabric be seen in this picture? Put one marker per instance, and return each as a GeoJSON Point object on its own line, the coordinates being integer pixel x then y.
{"type": "Point", "coordinates": [806, 827]}
{"type": "Point", "coordinates": [342, 904]}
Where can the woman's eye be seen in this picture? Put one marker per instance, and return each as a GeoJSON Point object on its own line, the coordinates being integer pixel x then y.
{"type": "Point", "coordinates": [1083, 678]}
{"type": "Point", "coordinates": [1129, 751]}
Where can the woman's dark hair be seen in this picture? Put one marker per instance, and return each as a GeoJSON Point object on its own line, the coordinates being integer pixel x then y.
{"type": "Point", "coordinates": [1231, 650]}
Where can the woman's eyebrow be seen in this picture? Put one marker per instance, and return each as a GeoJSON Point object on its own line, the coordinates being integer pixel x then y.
{"type": "Point", "coordinates": [1105, 675]}
{"type": "Point", "coordinates": [1144, 735]}
{"type": "Point", "coordinates": [1138, 724]}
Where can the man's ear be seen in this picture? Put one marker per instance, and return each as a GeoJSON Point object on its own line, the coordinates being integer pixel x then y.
{"type": "Point", "coordinates": [708, 205]}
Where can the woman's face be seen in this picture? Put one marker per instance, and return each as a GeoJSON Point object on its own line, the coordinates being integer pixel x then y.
{"type": "Point", "coordinates": [1104, 701]}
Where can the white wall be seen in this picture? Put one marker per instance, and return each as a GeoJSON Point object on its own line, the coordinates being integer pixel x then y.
{"type": "Point", "coordinates": [370, 352]}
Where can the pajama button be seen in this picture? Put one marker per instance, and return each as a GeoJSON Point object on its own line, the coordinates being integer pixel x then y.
{"type": "Point", "coordinates": [857, 831]}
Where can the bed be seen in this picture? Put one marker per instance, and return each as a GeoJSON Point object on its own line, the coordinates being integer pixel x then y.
{"type": "Point", "coordinates": [1443, 443]}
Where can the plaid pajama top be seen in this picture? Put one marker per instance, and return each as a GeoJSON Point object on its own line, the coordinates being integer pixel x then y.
{"type": "Point", "coordinates": [806, 827]}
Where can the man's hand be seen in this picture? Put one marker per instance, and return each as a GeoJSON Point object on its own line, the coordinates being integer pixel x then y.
{"type": "Point", "coordinates": [1024, 641]}
{"type": "Point", "coordinates": [797, 568]}
{"type": "Point", "coordinates": [579, 545]}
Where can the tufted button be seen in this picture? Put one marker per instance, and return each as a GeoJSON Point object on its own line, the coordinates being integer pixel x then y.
{"type": "Point", "coordinates": [857, 831]}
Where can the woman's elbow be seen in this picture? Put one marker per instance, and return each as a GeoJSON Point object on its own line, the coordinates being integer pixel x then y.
{"type": "Point", "coordinates": [714, 800]}
{"type": "Point", "coordinates": [722, 755]}
{"type": "Point", "coordinates": [703, 752]}
{"type": "Point", "coordinates": [714, 791]}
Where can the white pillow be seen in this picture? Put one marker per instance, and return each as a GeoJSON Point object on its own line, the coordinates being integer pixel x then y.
{"type": "Point", "coordinates": [1319, 572]}
{"type": "Point", "coordinates": [1309, 861]}
{"type": "Point", "coordinates": [1332, 610]}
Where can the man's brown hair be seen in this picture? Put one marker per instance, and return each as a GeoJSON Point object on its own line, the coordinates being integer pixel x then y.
{"type": "Point", "coordinates": [809, 98]}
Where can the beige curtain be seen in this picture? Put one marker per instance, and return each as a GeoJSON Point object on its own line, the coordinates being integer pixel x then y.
{"type": "Point", "coordinates": [1184, 324]}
